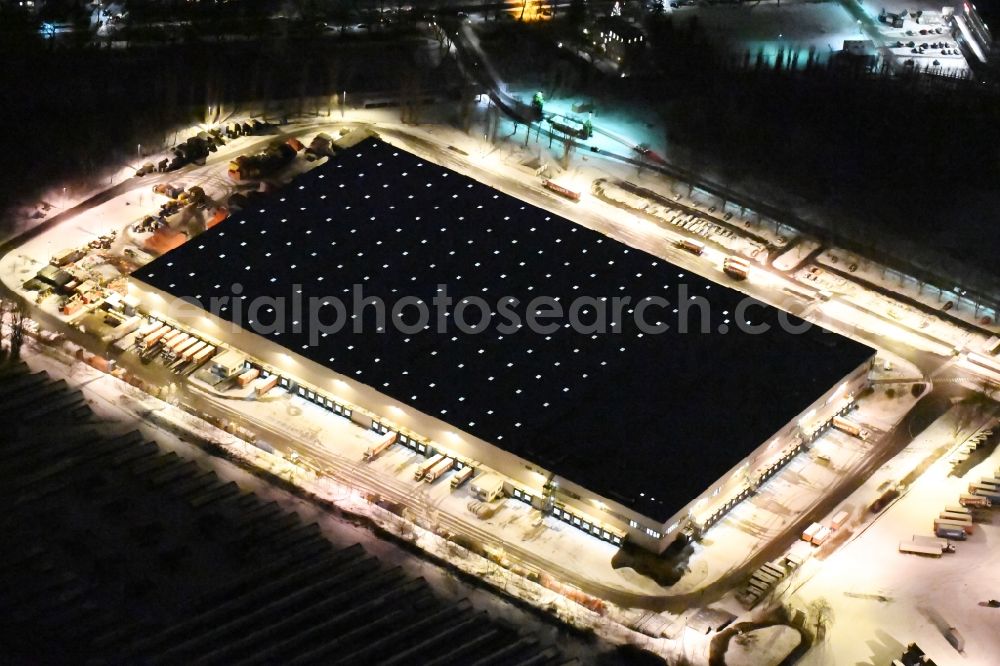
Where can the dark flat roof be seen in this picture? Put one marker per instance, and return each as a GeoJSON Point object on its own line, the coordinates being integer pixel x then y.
{"type": "Point", "coordinates": [647, 419]}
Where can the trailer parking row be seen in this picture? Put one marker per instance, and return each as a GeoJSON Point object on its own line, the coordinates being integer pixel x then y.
{"type": "Point", "coordinates": [181, 352]}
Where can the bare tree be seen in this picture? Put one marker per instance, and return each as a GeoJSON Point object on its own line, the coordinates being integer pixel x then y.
{"type": "Point", "coordinates": [3, 333]}
{"type": "Point", "coordinates": [15, 323]}
{"type": "Point", "coordinates": [821, 613]}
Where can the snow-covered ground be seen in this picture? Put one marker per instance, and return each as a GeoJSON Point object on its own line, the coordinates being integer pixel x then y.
{"type": "Point", "coordinates": [796, 255]}
{"type": "Point", "coordinates": [937, 31]}
{"type": "Point", "coordinates": [790, 493]}
{"type": "Point", "coordinates": [770, 28]}
{"type": "Point", "coordinates": [930, 296]}
{"type": "Point", "coordinates": [123, 406]}
{"type": "Point", "coordinates": [881, 599]}
{"type": "Point", "coordinates": [326, 437]}
{"type": "Point", "coordinates": [555, 540]}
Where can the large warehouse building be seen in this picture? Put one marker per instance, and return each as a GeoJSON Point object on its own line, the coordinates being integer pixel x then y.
{"type": "Point", "coordinates": [625, 430]}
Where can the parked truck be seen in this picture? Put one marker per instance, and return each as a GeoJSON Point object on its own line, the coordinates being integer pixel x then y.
{"type": "Point", "coordinates": [424, 467]}
{"type": "Point", "coordinates": [945, 522]}
{"type": "Point", "coordinates": [264, 384]}
{"type": "Point", "coordinates": [919, 549]}
{"type": "Point", "coordinates": [963, 518]}
{"type": "Point", "coordinates": [462, 475]}
{"type": "Point", "coordinates": [776, 569]}
{"type": "Point", "coordinates": [262, 164]}
{"type": "Point", "coordinates": [850, 427]}
{"type": "Point", "coordinates": [247, 376]}
{"type": "Point", "coordinates": [154, 337]}
{"type": "Point", "coordinates": [376, 450]}
{"type": "Point", "coordinates": [958, 508]}
{"type": "Point", "coordinates": [986, 491]}
{"type": "Point", "coordinates": [692, 246]}
{"type": "Point", "coordinates": [811, 531]}
{"type": "Point", "coordinates": [178, 342]}
{"type": "Point", "coordinates": [176, 352]}
{"type": "Point", "coordinates": [943, 544]}
{"type": "Point", "coordinates": [822, 534]}
{"type": "Point", "coordinates": [147, 328]}
{"type": "Point", "coordinates": [435, 472]}
{"type": "Point", "coordinates": [968, 499]}
{"type": "Point", "coordinates": [948, 532]}
{"type": "Point", "coordinates": [561, 190]}
{"type": "Point", "coordinates": [170, 336]}
{"type": "Point", "coordinates": [199, 356]}
{"type": "Point", "coordinates": [195, 350]}
{"type": "Point", "coordinates": [736, 268]}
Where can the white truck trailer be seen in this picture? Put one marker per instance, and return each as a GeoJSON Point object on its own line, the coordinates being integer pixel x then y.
{"type": "Point", "coordinates": [435, 472]}
{"type": "Point", "coordinates": [376, 450]}
{"type": "Point", "coordinates": [919, 549]}
{"type": "Point", "coordinates": [424, 467]}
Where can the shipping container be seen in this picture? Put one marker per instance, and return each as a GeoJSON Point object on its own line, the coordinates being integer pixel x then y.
{"type": "Point", "coordinates": [811, 531]}
{"type": "Point", "coordinates": [839, 520]}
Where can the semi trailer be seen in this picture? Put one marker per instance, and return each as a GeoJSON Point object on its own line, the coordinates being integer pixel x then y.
{"type": "Point", "coordinates": [435, 472]}
{"type": "Point", "coordinates": [424, 467]}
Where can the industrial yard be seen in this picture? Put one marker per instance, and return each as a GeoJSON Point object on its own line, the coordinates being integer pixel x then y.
{"type": "Point", "coordinates": [513, 253]}
{"type": "Point", "coordinates": [285, 411]}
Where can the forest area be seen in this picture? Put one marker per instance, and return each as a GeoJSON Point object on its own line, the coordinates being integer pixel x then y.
{"type": "Point", "coordinates": [907, 165]}
{"type": "Point", "coordinates": [902, 165]}
{"type": "Point", "coordinates": [73, 115]}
